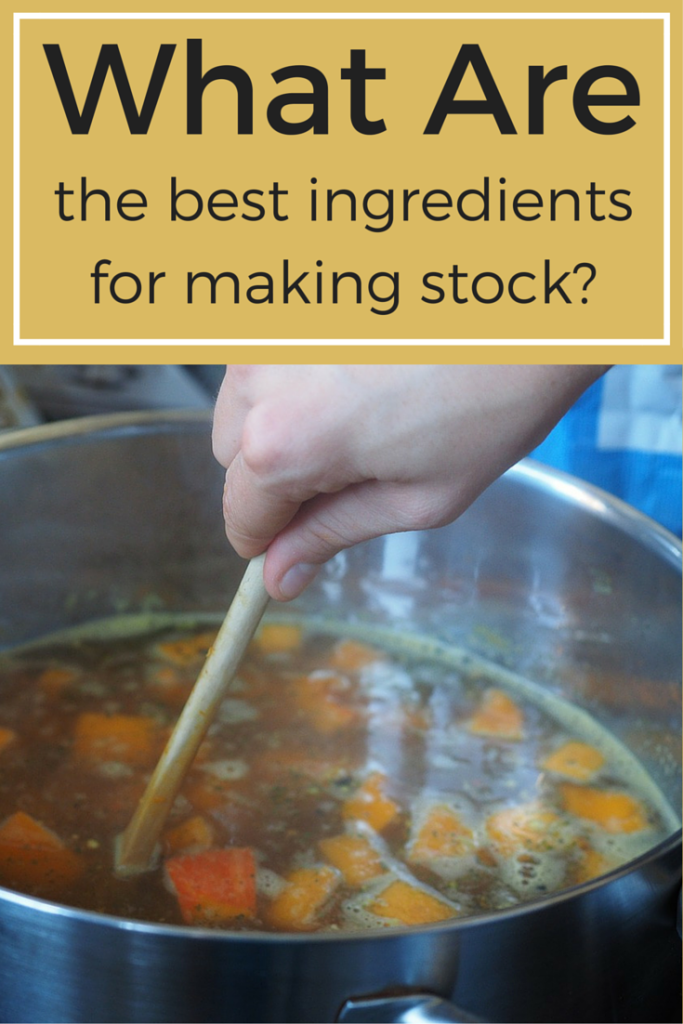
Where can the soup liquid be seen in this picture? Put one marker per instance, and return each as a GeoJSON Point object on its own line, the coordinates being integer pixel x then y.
{"type": "Point", "coordinates": [345, 784]}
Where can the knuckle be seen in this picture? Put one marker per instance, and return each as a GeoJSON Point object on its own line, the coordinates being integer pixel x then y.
{"type": "Point", "coordinates": [266, 444]}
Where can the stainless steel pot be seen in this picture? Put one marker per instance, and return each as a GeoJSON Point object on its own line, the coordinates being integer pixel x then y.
{"type": "Point", "coordinates": [544, 575]}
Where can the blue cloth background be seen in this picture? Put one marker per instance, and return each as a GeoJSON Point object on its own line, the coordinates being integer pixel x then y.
{"type": "Point", "coordinates": [649, 480]}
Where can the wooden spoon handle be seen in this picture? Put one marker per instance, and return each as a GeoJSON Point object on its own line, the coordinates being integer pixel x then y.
{"type": "Point", "coordinates": [136, 846]}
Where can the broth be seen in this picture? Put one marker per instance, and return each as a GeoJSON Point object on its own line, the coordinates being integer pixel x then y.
{"type": "Point", "coordinates": [348, 782]}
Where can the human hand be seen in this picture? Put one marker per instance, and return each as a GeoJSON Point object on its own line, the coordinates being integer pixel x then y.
{"type": "Point", "coordinates": [319, 458]}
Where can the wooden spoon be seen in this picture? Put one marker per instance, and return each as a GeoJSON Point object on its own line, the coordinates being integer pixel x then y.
{"type": "Point", "coordinates": [136, 846]}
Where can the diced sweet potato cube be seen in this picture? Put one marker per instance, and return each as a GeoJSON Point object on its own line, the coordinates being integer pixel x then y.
{"type": "Point", "coordinates": [350, 655]}
{"type": "Point", "coordinates": [613, 810]}
{"type": "Point", "coordinates": [195, 833]}
{"type": "Point", "coordinates": [214, 886]}
{"type": "Point", "coordinates": [371, 804]}
{"type": "Point", "coordinates": [278, 637]}
{"type": "Point", "coordinates": [441, 833]}
{"type": "Point", "coordinates": [33, 857]}
{"type": "Point", "coordinates": [6, 737]}
{"type": "Point", "coordinates": [354, 856]}
{"type": "Point", "coordinates": [53, 681]}
{"type": "Point", "coordinates": [327, 716]}
{"type": "Point", "coordinates": [575, 760]}
{"type": "Point", "coordinates": [187, 650]}
{"type": "Point", "coordinates": [22, 828]}
{"type": "Point", "coordinates": [528, 827]}
{"type": "Point", "coordinates": [297, 908]}
{"type": "Point", "coordinates": [133, 739]}
{"type": "Point", "coordinates": [498, 717]}
{"type": "Point", "coordinates": [409, 905]}
{"type": "Point", "coordinates": [318, 697]}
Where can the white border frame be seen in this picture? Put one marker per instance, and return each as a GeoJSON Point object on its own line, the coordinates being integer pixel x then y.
{"type": "Point", "coordinates": [18, 341]}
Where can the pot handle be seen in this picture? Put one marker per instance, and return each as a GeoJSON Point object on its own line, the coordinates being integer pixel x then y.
{"type": "Point", "coordinates": [416, 1008]}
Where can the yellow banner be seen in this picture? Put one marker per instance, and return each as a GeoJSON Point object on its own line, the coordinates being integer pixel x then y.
{"type": "Point", "coordinates": [433, 181]}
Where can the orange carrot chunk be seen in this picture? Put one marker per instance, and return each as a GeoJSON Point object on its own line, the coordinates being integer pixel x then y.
{"type": "Point", "coordinates": [498, 716]}
{"type": "Point", "coordinates": [528, 827]}
{"type": "Point", "coordinates": [6, 737]}
{"type": "Point", "coordinates": [613, 810]}
{"type": "Point", "coordinates": [187, 650]}
{"type": "Point", "coordinates": [297, 908]}
{"type": "Point", "coordinates": [407, 904]}
{"type": "Point", "coordinates": [193, 834]}
{"type": "Point", "coordinates": [441, 834]}
{"type": "Point", "coordinates": [214, 886]}
{"type": "Point", "coordinates": [129, 738]}
{"type": "Point", "coordinates": [53, 681]}
{"type": "Point", "coordinates": [33, 857]}
{"type": "Point", "coordinates": [319, 698]}
{"type": "Point", "coordinates": [350, 655]}
{"type": "Point", "coordinates": [355, 856]}
{"type": "Point", "coordinates": [278, 637]}
{"type": "Point", "coordinates": [370, 803]}
{"type": "Point", "coordinates": [574, 760]}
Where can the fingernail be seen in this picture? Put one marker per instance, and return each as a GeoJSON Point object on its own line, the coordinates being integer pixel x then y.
{"type": "Point", "coordinates": [297, 579]}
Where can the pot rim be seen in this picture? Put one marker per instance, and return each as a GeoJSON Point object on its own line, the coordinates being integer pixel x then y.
{"type": "Point", "coordinates": [592, 499]}
{"type": "Point", "coordinates": [670, 845]}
